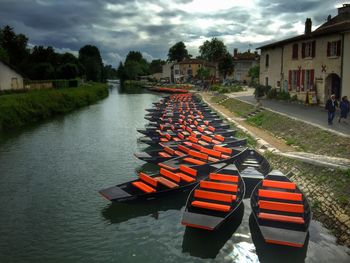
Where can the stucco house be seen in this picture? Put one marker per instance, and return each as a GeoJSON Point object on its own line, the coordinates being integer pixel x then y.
{"type": "Point", "coordinates": [188, 68]}
{"type": "Point", "coordinates": [242, 63]}
{"type": "Point", "coordinates": [316, 62]}
{"type": "Point", "coordinates": [10, 79]}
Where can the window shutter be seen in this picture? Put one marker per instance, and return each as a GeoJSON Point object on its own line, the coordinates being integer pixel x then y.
{"type": "Point", "coordinates": [312, 75]}
{"type": "Point", "coordinates": [338, 47]}
{"type": "Point", "coordinates": [298, 77]}
{"type": "Point", "coordinates": [328, 49]}
{"type": "Point", "coordinates": [302, 79]}
{"type": "Point", "coordinates": [313, 48]}
{"type": "Point", "coordinates": [303, 50]}
{"type": "Point", "coordinates": [290, 80]}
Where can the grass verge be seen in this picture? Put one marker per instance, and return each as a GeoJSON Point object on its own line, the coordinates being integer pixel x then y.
{"type": "Point", "coordinates": [17, 110]}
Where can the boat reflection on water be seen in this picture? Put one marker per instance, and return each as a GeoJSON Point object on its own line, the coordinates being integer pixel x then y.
{"type": "Point", "coordinates": [121, 212]}
{"type": "Point", "coordinates": [275, 253]}
{"type": "Point", "coordinates": [207, 244]}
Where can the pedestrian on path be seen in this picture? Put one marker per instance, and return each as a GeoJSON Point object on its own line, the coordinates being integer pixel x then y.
{"type": "Point", "coordinates": [331, 106]}
{"type": "Point", "coordinates": [344, 108]}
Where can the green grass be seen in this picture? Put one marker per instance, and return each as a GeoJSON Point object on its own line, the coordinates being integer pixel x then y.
{"type": "Point", "coordinates": [218, 98]}
{"type": "Point", "coordinates": [238, 107]}
{"type": "Point", "coordinates": [19, 109]}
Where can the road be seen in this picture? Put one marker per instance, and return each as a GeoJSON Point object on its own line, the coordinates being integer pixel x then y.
{"type": "Point", "coordinates": [311, 114]}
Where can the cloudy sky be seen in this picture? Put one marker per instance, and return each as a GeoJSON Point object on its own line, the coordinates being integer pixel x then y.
{"type": "Point", "coordinates": [116, 27]}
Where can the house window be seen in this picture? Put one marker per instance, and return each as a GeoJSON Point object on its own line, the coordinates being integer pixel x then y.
{"type": "Point", "coordinates": [308, 49]}
{"type": "Point", "coordinates": [189, 72]}
{"type": "Point", "coordinates": [307, 79]}
{"type": "Point", "coordinates": [177, 72]}
{"type": "Point", "coordinates": [334, 49]}
{"type": "Point", "coordinates": [295, 51]}
{"type": "Point", "coordinates": [294, 80]}
{"type": "Point", "coordinates": [266, 81]}
{"type": "Point", "coordinates": [267, 62]}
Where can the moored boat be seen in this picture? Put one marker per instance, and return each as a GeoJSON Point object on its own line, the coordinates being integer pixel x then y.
{"type": "Point", "coordinates": [215, 199]}
{"type": "Point", "coordinates": [281, 211]}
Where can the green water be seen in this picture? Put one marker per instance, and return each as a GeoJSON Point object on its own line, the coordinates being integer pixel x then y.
{"type": "Point", "coordinates": [50, 210]}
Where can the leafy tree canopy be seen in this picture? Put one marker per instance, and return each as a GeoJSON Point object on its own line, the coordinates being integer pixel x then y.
{"type": "Point", "coordinates": [226, 66]}
{"type": "Point", "coordinates": [213, 50]}
{"type": "Point", "coordinates": [178, 52]}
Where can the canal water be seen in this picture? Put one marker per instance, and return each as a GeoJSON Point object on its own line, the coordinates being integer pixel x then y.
{"type": "Point", "coordinates": [50, 210]}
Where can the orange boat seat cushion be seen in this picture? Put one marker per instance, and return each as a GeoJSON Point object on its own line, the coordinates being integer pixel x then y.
{"type": "Point", "coordinates": [166, 182]}
{"type": "Point", "coordinates": [282, 218]}
{"type": "Point", "coordinates": [148, 179]}
{"type": "Point", "coordinates": [198, 155]}
{"type": "Point", "coordinates": [228, 198]}
{"type": "Point", "coordinates": [170, 175]}
{"type": "Point", "coordinates": [280, 195]}
{"type": "Point", "coordinates": [144, 187]}
{"type": "Point", "coordinates": [219, 137]}
{"type": "Point", "coordinates": [193, 161]}
{"type": "Point", "coordinates": [219, 186]}
{"type": "Point", "coordinates": [222, 149]}
{"type": "Point", "coordinates": [224, 177]}
{"type": "Point", "coordinates": [279, 184]}
{"type": "Point", "coordinates": [164, 154]}
{"type": "Point", "coordinates": [279, 206]}
{"type": "Point", "coordinates": [186, 178]}
{"type": "Point", "coordinates": [169, 150]}
{"type": "Point", "coordinates": [188, 170]}
{"type": "Point", "coordinates": [211, 206]}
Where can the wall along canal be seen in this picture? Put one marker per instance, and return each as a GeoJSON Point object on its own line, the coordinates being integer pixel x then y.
{"type": "Point", "coordinates": [50, 174]}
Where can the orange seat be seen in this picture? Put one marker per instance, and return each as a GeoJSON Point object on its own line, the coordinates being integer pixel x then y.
{"type": "Point", "coordinates": [181, 136]}
{"type": "Point", "coordinates": [211, 152]}
{"type": "Point", "coordinates": [186, 178]}
{"type": "Point", "coordinates": [192, 139]}
{"type": "Point", "coordinates": [223, 177]}
{"type": "Point", "coordinates": [224, 156]}
{"type": "Point", "coordinates": [168, 136]}
{"type": "Point", "coordinates": [283, 207]}
{"type": "Point", "coordinates": [178, 153]}
{"type": "Point", "coordinates": [176, 139]}
{"type": "Point", "coordinates": [214, 160]}
{"type": "Point", "coordinates": [188, 170]}
{"type": "Point", "coordinates": [211, 128]}
{"type": "Point", "coordinates": [211, 206]}
{"type": "Point", "coordinates": [279, 184]}
{"type": "Point", "coordinates": [183, 148]}
{"type": "Point", "coordinates": [203, 143]}
{"type": "Point", "coordinates": [280, 195]}
{"type": "Point", "coordinates": [167, 166]}
{"type": "Point", "coordinates": [169, 150]}
{"type": "Point", "coordinates": [216, 142]}
{"type": "Point", "coordinates": [144, 187]}
{"type": "Point", "coordinates": [219, 137]}
{"type": "Point", "coordinates": [188, 143]}
{"type": "Point", "coordinates": [219, 186]}
{"type": "Point", "coordinates": [166, 182]}
{"type": "Point", "coordinates": [281, 218]}
{"type": "Point", "coordinates": [228, 198]}
{"type": "Point", "coordinates": [164, 154]}
{"type": "Point", "coordinates": [198, 155]}
{"type": "Point", "coordinates": [200, 129]}
{"type": "Point", "coordinates": [206, 122]}
{"type": "Point", "coordinates": [170, 175]}
{"type": "Point", "coordinates": [193, 161]}
{"type": "Point", "coordinates": [148, 179]}
{"type": "Point", "coordinates": [196, 146]}
{"type": "Point", "coordinates": [206, 138]}
{"type": "Point", "coordinates": [222, 149]}
{"type": "Point", "coordinates": [164, 140]}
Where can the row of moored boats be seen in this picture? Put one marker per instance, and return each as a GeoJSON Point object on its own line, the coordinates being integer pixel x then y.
{"type": "Point", "coordinates": [196, 150]}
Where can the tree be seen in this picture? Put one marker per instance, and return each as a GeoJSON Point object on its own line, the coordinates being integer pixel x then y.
{"type": "Point", "coordinates": [203, 73]}
{"type": "Point", "coordinates": [41, 71]}
{"type": "Point", "coordinates": [213, 50]}
{"type": "Point", "coordinates": [254, 73]}
{"type": "Point", "coordinates": [109, 72]}
{"type": "Point", "coordinates": [178, 52]}
{"type": "Point", "coordinates": [3, 55]}
{"type": "Point", "coordinates": [68, 71]}
{"type": "Point", "coordinates": [156, 66]}
{"type": "Point", "coordinates": [90, 58]}
{"type": "Point", "coordinates": [226, 65]}
{"type": "Point", "coordinates": [135, 65]}
{"type": "Point", "coordinates": [14, 45]}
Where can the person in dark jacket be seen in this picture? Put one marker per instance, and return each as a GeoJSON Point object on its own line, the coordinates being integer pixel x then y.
{"type": "Point", "coordinates": [344, 108]}
{"type": "Point", "coordinates": [331, 105]}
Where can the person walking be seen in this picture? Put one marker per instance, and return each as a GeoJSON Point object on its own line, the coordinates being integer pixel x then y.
{"type": "Point", "coordinates": [331, 105]}
{"type": "Point", "coordinates": [344, 108]}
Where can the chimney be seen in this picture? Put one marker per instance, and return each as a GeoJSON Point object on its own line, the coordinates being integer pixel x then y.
{"type": "Point", "coordinates": [235, 52]}
{"type": "Point", "coordinates": [308, 25]}
{"type": "Point", "coordinates": [329, 18]}
{"type": "Point", "coordinates": [344, 9]}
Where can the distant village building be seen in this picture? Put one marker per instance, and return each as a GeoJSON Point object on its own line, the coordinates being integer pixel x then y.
{"type": "Point", "coordinates": [242, 63]}
{"type": "Point", "coordinates": [188, 69]}
{"type": "Point", "coordinates": [316, 62]}
{"type": "Point", "coordinates": [167, 71]}
{"type": "Point", "coordinates": [10, 79]}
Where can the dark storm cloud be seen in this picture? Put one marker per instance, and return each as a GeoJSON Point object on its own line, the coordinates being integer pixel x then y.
{"type": "Point", "coordinates": [153, 26]}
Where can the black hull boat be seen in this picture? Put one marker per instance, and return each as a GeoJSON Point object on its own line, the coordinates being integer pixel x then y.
{"type": "Point", "coordinates": [281, 211]}
{"type": "Point", "coordinates": [149, 187]}
{"type": "Point", "coordinates": [215, 199]}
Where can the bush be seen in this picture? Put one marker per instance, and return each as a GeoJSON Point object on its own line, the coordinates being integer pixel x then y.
{"type": "Point", "coordinates": [283, 95]}
{"type": "Point", "coordinates": [272, 94]}
{"type": "Point", "coordinates": [261, 90]}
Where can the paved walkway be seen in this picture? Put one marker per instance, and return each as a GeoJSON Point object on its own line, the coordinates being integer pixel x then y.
{"type": "Point", "coordinates": [315, 115]}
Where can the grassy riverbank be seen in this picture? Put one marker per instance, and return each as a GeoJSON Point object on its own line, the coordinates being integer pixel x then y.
{"type": "Point", "coordinates": [19, 109]}
{"type": "Point", "coordinates": [304, 136]}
